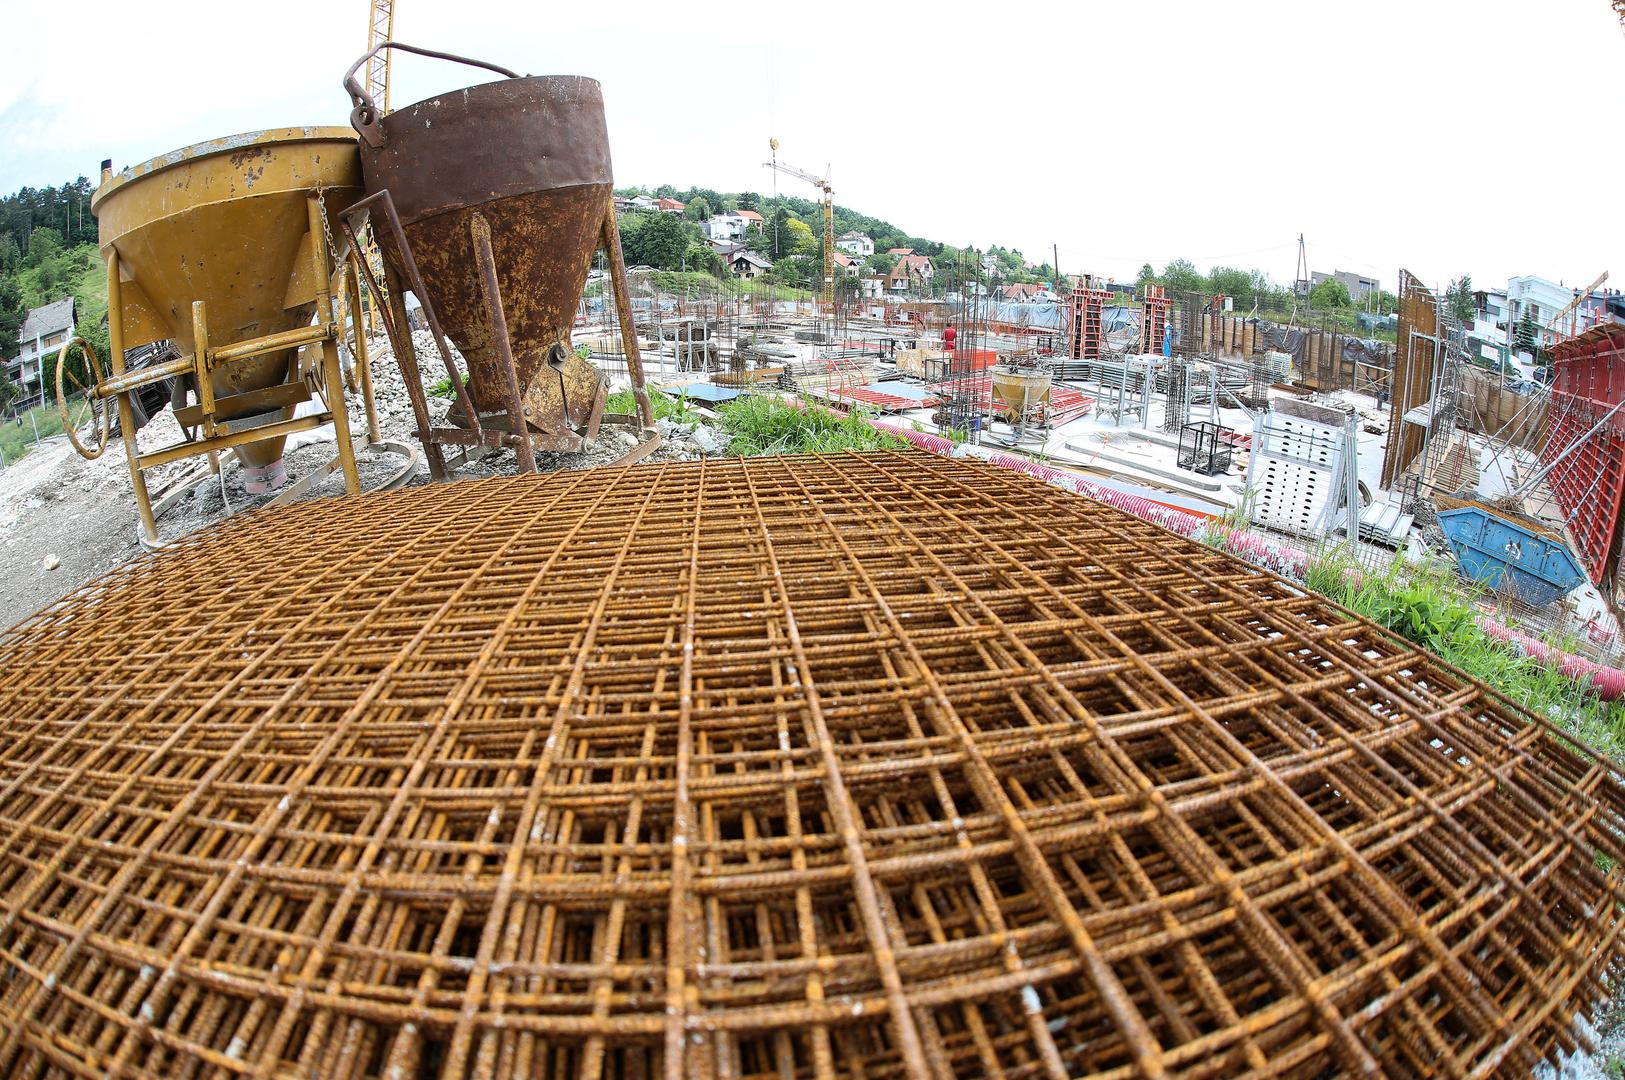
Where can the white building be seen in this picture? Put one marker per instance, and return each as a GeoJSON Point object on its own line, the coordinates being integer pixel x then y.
{"type": "Point", "coordinates": [1542, 300]}
{"type": "Point", "coordinates": [855, 243]}
{"type": "Point", "coordinates": [726, 227]}
{"type": "Point", "coordinates": [42, 334]}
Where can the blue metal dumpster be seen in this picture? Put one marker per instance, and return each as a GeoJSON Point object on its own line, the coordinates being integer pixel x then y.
{"type": "Point", "coordinates": [1510, 557]}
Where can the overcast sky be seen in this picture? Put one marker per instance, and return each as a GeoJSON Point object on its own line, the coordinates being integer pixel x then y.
{"type": "Point", "coordinates": [1446, 136]}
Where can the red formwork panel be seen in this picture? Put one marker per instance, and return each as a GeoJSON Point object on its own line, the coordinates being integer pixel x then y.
{"type": "Point", "coordinates": [879, 399]}
{"type": "Point", "coordinates": [1589, 483]}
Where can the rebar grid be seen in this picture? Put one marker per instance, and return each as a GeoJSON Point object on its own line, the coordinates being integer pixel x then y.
{"type": "Point", "coordinates": [866, 765]}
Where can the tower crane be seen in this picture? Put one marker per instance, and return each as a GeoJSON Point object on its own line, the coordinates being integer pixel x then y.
{"type": "Point", "coordinates": [380, 28]}
{"type": "Point", "coordinates": [827, 295]}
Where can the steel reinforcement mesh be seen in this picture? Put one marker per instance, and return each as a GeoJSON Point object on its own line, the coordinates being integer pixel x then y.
{"type": "Point", "coordinates": [867, 765]}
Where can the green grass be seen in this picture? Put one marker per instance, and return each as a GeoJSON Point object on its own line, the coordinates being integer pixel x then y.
{"type": "Point", "coordinates": [766, 426]}
{"type": "Point", "coordinates": [1432, 607]}
{"type": "Point", "coordinates": [18, 439]}
{"type": "Point", "coordinates": [676, 409]}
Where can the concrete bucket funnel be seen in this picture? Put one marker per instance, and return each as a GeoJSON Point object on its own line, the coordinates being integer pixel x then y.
{"type": "Point", "coordinates": [521, 167]}
{"type": "Point", "coordinates": [227, 222]}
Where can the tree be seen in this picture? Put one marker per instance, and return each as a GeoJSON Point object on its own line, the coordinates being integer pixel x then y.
{"type": "Point", "coordinates": [660, 241]}
{"type": "Point", "coordinates": [43, 243]}
{"type": "Point", "coordinates": [880, 264]}
{"type": "Point", "coordinates": [704, 258]}
{"type": "Point", "coordinates": [1237, 284]}
{"type": "Point", "coordinates": [749, 200]}
{"type": "Point", "coordinates": [1526, 338]}
{"type": "Point", "coordinates": [799, 238]}
{"type": "Point", "coordinates": [799, 271]}
{"type": "Point", "coordinates": [1180, 277]}
{"type": "Point", "coordinates": [1458, 299]}
{"type": "Point", "coordinates": [1385, 302]}
{"type": "Point", "coordinates": [12, 314]}
{"type": "Point", "coordinates": [698, 209]}
{"type": "Point", "coordinates": [1330, 295]}
{"type": "Point", "coordinates": [1146, 276]}
{"type": "Point", "coordinates": [778, 239]}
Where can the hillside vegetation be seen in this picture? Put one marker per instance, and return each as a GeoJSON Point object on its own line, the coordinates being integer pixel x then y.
{"type": "Point", "coordinates": [47, 252]}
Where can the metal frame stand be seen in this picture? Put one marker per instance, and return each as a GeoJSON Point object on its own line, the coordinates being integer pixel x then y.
{"type": "Point", "coordinates": [477, 435]}
{"type": "Point", "coordinates": [219, 434]}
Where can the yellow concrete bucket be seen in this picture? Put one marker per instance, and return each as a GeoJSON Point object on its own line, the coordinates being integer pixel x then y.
{"type": "Point", "coordinates": [227, 222]}
{"type": "Point", "coordinates": [1019, 389]}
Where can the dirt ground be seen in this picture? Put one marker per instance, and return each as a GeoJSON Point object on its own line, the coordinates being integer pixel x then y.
{"type": "Point", "coordinates": [65, 521]}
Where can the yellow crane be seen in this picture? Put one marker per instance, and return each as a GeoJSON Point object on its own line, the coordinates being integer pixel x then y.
{"type": "Point", "coordinates": [827, 295]}
{"type": "Point", "coordinates": [380, 28]}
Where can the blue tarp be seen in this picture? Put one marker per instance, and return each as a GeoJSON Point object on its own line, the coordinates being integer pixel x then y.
{"type": "Point", "coordinates": [702, 391]}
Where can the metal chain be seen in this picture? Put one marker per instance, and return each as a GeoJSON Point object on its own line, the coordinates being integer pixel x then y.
{"type": "Point", "coordinates": [339, 305]}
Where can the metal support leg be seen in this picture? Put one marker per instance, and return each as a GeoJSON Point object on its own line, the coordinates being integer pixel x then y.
{"type": "Point", "coordinates": [362, 358]}
{"type": "Point", "coordinates": [480, 231]}
{"type": "Point", "coordinates": [399, 332]}
{"type": "Point", "coordinates": [332, 371]}
{"type": "Point", "coordinates": [126, 415]}
{"type": "Point", "coordinates": [333, 385]}
{"type": "Point", "coordinates": [407, 358]}
{"type": "Point", "coordinates": [611, 238]}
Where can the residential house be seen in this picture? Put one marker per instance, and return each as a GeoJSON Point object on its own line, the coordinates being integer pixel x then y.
{"type": "Point", "coordinates": [726, 248]}
{"type": "Point", "coordinates": [899, 251]}
{"type": "Point", "coordinates": [671, 206]}
{"type": "Point", "coordinates": [846, 264]}
{"type": "Point", "coordinates": [639, 204]}
{"type": "Point", "coordinates": [1359, 286]}
{"type": "Point", "coordinates": [726, 227]}
{"type": "Point", "coordinates": [911, 272]}
{"type": "Point", "coordinates": [752, 219]}
{"type": "Point", "coordinates": [42, 333]}
{"type": "Point", "coordinates": [1025, 293]}
{"type": "Point", "coordinates": [872, 287]}
{"type": "Point", "coordinates": [748, 264]}
{"type": "Point", "coordinates": [856, 243]}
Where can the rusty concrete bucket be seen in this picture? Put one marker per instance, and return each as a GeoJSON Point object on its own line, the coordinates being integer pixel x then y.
{"type": "Point", "coordinates": [494, 198]}
{"type": "Point", "coordinates": [222, 248]}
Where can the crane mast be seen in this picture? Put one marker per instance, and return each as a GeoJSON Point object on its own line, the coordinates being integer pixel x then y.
{"type": "Point", "coordinates": [380, 28]}
{"type": "Point", "coordinates": [827, 294]}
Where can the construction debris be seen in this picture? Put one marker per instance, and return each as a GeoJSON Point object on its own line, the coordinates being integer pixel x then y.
{"type": "Point", "coordinates": [881, 765]}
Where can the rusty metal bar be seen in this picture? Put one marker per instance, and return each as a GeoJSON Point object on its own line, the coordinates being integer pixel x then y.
{"type": "Point", "coordinates": [883, 765]}
{"type": "Point", "coordinates": [480, 235]}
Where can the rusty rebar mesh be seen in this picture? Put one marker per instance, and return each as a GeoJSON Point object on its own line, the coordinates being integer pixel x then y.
{"type": "Point", "coordinates": [859, 765]}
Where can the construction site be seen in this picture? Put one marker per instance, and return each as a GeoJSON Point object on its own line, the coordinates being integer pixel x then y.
{"type": "Point", "coordinates": [431, 659]}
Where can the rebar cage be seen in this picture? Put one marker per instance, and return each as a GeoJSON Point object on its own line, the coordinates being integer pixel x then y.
{"type": "Point", "coordinates": [864, 765]}
{"type": "Point", "coordinates": [1205, 447]}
